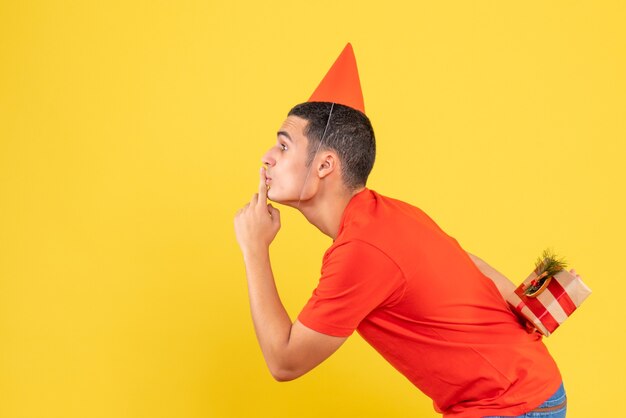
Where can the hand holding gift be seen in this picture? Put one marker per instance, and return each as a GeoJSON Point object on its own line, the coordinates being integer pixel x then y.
{"type": "Point", "coordinates": [549, 295]}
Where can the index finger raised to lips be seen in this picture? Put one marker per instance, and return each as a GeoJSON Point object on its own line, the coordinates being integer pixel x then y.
{"type": "Point", "coordinates": [262, 186]}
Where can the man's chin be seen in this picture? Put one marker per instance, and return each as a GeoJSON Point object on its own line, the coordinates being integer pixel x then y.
{"type": "Point", "coordinates": [276, 198]}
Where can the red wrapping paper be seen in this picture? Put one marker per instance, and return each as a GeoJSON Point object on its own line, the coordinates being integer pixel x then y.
{"type": "Point", "coordinates": [550, 308]}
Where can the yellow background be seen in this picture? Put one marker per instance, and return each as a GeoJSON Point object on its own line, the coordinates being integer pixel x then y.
{"type": "Point", "coordinates": [131, 132]}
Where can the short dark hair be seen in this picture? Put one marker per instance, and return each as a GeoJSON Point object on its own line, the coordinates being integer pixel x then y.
{"type": "Point", "coordinates": [349, 134]}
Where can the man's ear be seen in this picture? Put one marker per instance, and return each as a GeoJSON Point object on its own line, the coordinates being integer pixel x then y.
{"type": "Point", "coordinates": [327, 164]}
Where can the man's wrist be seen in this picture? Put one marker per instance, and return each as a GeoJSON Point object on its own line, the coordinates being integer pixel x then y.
{"type": "Point", "coordinates": [255, 253]}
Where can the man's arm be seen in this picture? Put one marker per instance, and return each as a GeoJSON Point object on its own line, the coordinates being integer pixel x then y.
{"type": "Point", "coordinates": [504, 285]}
{"type": "Point", "coordinates": [290, 350]}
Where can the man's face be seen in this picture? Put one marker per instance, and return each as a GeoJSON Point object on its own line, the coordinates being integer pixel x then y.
{"type": "Point", "coordinates": [286, 163]}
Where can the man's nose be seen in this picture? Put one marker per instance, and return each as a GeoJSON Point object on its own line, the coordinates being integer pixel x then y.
{"type": "Point", "coordinates": [267, 159]}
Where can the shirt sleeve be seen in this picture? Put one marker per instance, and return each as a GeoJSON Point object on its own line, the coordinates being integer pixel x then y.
{"type": "Point", "coordinates": [356, 279]}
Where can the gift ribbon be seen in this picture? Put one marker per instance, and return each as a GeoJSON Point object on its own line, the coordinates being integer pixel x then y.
{"type": "Point", "coordinates": [559, 293]}
{"type": "Point", "coordinates": [539, 310]}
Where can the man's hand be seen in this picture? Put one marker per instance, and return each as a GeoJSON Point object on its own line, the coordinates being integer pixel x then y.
{"type": "Point", "coordinates": [257, 223]}
{"type": "Point", "coordinates": [573, 273]}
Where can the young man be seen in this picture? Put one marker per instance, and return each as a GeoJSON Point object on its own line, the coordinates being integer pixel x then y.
{"type": "Point", "coordinates": [428, 307]}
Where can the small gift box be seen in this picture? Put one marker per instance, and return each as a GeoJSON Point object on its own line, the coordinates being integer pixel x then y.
{"type": "Point", "coordinates": [549, 295]}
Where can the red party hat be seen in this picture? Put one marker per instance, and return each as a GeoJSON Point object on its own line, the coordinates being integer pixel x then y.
{"type": "Point", "coordinates": [341, 83]}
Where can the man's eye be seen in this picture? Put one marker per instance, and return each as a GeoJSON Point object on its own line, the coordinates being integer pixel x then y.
{"type": "Point", "coordinates": [283, 147]}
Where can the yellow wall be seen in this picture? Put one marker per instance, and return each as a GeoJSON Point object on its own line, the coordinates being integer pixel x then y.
{"type": "Point", "coordinates": [131, 132]}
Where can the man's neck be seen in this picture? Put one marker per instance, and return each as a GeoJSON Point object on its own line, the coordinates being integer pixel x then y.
{"type": "Point", "coordinates": [326, 211]}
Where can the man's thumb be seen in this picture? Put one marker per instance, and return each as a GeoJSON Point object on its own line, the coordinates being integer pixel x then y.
{"type": "Point", "coordinates": [275, 213]}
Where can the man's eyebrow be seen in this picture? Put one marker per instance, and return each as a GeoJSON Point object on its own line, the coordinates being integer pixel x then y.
{"type": "Point", "coordinates": [285, 134]}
